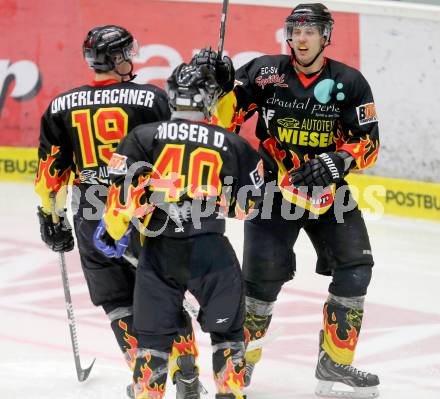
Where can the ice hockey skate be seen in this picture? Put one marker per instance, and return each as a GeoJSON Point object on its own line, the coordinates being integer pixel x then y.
{"type": "Point", "coordinates": [254, 352]}
{"type": "Point", "coordinates": [252, 357]}
{"type": "Point", "coordinates": [362, 384]}
{"type": "Point", "coordinates": [227, 396]}
{"type": "Point", "coordinates": [186, 379]}
{"type": "Point", "coordinates": [249, 369]}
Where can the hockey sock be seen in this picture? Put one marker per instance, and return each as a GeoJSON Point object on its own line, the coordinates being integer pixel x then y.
{"type": "Point", "coordinates": [150, 374]}
{"type": "Point", "coordinates": [258, 317]}
{"type": "Point", "coordinates": [122, 326]}
{"type": "Point", "coordinates": [229, 368]}
{"type": "Point", "coordinates": [342, 325]}
{"type": "Point", "coordinates": [184, 344]}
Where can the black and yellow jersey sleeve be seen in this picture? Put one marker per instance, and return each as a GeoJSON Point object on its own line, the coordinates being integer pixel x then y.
{"type": "Point", "coordinates": [357, 128]}
{"type": "Point", "coordinates": [130, 171]}
{"type": "Point", "coordinates": [55, 159]}
{"type": "Point", "coordinates": [237, 106]}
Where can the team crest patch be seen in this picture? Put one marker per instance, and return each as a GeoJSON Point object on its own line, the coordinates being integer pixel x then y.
{"type": "Point", "coordinates": [257, 175]}
{"type": "Point", "coordinates": [117, 164]}
{"type": "Point", "coordinates": [366, 113]}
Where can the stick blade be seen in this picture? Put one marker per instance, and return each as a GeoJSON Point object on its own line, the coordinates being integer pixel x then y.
{"type": "Point", "coordinates": [83, 374]}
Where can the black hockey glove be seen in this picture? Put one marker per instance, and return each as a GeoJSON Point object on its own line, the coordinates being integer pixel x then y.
{"type": "Point", "coordinates": [58, 237]}
{"type": "Point", "coordinates": [224, 69]}
{"type": "Point", "coordinates": [322, 171]}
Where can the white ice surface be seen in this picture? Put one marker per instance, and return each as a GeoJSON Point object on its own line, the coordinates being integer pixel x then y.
{"type": "Point", "coordinates": [400, 337]}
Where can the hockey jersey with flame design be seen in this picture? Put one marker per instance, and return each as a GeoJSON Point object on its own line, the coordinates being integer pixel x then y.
{"type": "Point", "coordinates": [82, 127]}
{"type": "Point", "coordinates": [300, 117]}
{"type": "Point", "coordinates": [164, 170]}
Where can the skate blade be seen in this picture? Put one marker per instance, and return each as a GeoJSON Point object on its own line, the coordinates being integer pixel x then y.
{"type": "Point", "coordinates": [325, 389]}
{"type": "Point", "coordinates": [202, 389]}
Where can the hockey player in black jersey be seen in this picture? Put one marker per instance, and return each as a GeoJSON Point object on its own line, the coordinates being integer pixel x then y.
{"type": "Point", "coordinates": [191, 174]}
{"type": "Point", "coordinates": [316, 123]}
{"type": "Point", "coordinates": [79, 132]}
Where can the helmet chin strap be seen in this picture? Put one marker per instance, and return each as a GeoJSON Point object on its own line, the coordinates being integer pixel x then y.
{"type": "Point", "coordinates": [129, 74]}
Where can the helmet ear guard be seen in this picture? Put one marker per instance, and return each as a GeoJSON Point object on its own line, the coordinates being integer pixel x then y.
{"type": "Point", "coordinates": [193, 88]}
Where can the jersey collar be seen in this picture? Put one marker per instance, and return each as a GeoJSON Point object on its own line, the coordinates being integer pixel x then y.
{"type": "Point", "coordinates": [193, 116]}
{"type": "Point", "coordinates": [104, 82]}
{"type": "Point", "coordinates": [308, 79]}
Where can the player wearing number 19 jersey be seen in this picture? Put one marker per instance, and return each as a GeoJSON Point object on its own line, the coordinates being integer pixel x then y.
{"type": "Point", "coordinates": [79, 132]}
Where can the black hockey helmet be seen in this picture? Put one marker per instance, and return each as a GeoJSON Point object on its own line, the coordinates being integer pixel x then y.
{"type": "Point", "coordinates": [107, 46]}
{"type": "Point", "coordinates": [193, 88]}
{"type": "Point", "coordinates": [310, 14]}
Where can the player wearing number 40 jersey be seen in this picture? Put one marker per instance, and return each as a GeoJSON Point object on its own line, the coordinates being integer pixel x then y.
{"type": "Point", "coordinates": [192, 174]}
{"type": "Point", "coordinates": [79, 132]}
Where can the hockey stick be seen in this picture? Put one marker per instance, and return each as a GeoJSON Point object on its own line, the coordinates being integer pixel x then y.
{"type": "Point", "coordinates": [81, 373]}
{"type": "Point", "coordinates": [221, 40]}
{"type": "Point", "coordinates": [267, 339]}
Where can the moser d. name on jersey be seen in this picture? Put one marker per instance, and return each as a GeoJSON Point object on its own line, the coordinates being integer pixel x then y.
{"type": "Point", "coordinates": [84, 98]}
{"type": "Point", "coordinates": [190, 132]}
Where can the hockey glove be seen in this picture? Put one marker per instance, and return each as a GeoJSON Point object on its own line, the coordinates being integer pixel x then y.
{"type": "Point", "coordinates": [107, 245]}
{"type": "Point", "coordinates": [322, 171]}
{"type": "Point", "coordinates": [58, 237]}
{"type": "Point", "coordinates": [224, 69]}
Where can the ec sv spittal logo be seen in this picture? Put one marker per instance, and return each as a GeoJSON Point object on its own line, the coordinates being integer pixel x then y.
{"type": "Point", "coordinates": [27, 79]}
